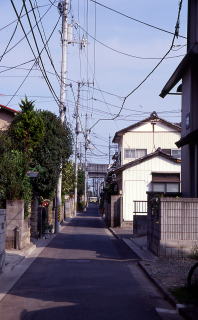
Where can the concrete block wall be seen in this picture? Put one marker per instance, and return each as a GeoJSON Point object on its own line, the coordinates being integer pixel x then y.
{"type": "Point", "coordinates": [177, 227]}
{"type": "Point", "coordinates": [115, 211]}
{"type": "Point", "coordinates": [2, 238]}
{"type": "Point", "coordinates": [69, 208]}
{"type": "Point", "coordinates": [34, 218]}
{"type": "Point", "coordinates": [15, 219]}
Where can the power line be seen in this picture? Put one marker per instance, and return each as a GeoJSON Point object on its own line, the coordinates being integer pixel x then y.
{"type": "Point", "coordinates": [53, 3]}
{"type": "Point", "coordinates": [125, 53]}
{"type": "Point", "coordinates": [36, 58]}
{"type": "Point", "coordinates": [152, 71]}
{"type": "Point", "coordinates": [12, 22]}
{"type": "Point", "coordinates": [47, 51]}
{"type": "Point", "coordinates": [39, 54]}
{"type": "Point", "coordinates": [16, 44]}
{"type": "Point", "coordinates": [20, 85]}
{"type": "Point", "coordinates": [15, 67]}
{"type": "Point", "coordinates": [131, 18]}
{"type": "Point", "coordinates": [12, 36]}
{"type": "Point", "coordinates": [98, 149]}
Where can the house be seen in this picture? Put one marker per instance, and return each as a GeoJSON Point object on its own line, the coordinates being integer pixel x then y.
{"type": "Point", "coordinates": [147, 160]}
{"type": "Point", "coordinates": [187, 71]}
{"type": "Point", "coordinates": [6, 116]}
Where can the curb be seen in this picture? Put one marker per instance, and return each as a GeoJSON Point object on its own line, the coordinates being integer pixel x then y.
{"type": "Point", "coordinates": [165, 293]}
{"type": "Point", "coordinates": [141, 253]}
{"type": "Point", "coordinates": [14, 272]}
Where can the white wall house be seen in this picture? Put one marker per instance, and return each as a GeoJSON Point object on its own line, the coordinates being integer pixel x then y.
{"type": "Point", "coordinates": [148, 160]}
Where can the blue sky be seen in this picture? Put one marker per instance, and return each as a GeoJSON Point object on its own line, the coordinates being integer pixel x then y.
{"type": "Point", "coordinates": [111, 72]}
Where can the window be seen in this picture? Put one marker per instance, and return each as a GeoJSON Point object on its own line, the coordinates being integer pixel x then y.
{"type": "Point", "coordinates": [165, 182]}
{"type": "Point", "coordinates": [159, 187]}
{"type": "Point", "coordinates": [172, 187]}
{"type": "Point", "coordinates": [165, 187]}
{"type": "Point", "coordinates": [167, 151]}
{"type": "Point", "coordinates": [176, 153]}
{"type": "Point", "coordinates": [134, 153]}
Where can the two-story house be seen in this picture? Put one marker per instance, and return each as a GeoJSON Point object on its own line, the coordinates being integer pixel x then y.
{"type": "Point", "coordinates": [147, 160]}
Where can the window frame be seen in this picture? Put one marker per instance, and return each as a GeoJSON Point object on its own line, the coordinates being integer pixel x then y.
{"type": "Point", "coordinates": [135, 153]}
{"type": "Point", "coordinates": [166, 184]}
{"type": "Point", "coordinates": [177, 151]}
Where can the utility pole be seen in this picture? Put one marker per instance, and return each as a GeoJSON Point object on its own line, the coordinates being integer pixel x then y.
{"type": "Point", "coordinates": [80, 155]}
{"type": "Point", "coordinates": [63, 10]}
{"type": "Point", "coordinates": [77, 131]}
{"type": "Point", "coordinates": [109, 149]}
{"type": "Point", "coordinates": [86, 147]}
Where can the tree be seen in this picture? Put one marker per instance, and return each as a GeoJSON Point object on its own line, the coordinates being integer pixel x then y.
{"type": "Point", "coordinates": [81, 182]}
{"type": "Point", "coordinates": [68, 178]}
{"type": "Point", "coordinates": [14, 183]}
{"type": "Point", "coordinates": [38, 141]}
{"type": "Point", "coordinates": [53, 151]}
{"type": "Point", "coordinates": [27, 129]}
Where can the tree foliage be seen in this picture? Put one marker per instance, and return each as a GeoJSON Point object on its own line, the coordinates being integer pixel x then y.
{"type": "Point", "coordinates": [68, 180]}
{"type": "Point", "coordinates": [27, 129]}
{"type": "Point", "coordinates": [52, 152]}
{"type": "Point", "coordinates": [14, 184]}
{"type": "Point", "coordinates": [36, 140]}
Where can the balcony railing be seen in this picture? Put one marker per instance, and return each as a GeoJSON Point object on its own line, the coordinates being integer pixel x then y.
{"type": "Point", "coordinates": [140, 207]}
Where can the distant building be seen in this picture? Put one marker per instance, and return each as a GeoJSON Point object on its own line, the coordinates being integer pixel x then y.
{"type": "Point", "coordinates": [6, 116]}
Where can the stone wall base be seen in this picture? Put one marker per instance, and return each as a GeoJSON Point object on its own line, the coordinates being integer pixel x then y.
{"type": "Point", "coordinates": [175, 248]}
{"type": "Point", "coordinates": [127, 225]}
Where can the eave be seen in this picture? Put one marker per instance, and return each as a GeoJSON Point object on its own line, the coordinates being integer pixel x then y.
{"type": "Point", "coordinates": [178, 73]}
{"type": "Point", "coordinates": [153, 116]}
{"type": "Point", "coordinates": [190, 138]}
{"type": "Point", "coordinates": [8, 109]}
{"type": "Point", "coordinates": [157, 153]}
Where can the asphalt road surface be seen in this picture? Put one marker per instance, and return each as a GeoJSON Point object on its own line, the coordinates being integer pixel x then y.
{"type": "Point", "coordinates": [85, 273]}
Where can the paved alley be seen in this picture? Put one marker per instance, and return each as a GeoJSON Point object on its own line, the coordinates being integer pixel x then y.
{"type": "Point", "coordinates": [84, 273]}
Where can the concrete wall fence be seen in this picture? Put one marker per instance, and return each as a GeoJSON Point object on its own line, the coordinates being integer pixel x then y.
{"type": "Point", "coordinates": [17, 228]}
{"type": "Point", "coordinates": [173, 226]}
{"type": "Point", "coordinates": [113, 211]}
{"type": "Point", "coordinates": [69, 208]}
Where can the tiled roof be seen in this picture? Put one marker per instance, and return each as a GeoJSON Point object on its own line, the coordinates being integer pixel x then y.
{"type": "Point", "coordinates": [8, 109]}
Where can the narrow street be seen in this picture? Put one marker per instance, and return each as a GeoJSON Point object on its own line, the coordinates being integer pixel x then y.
{"type": "Point", "coordinates": [84, 273]}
